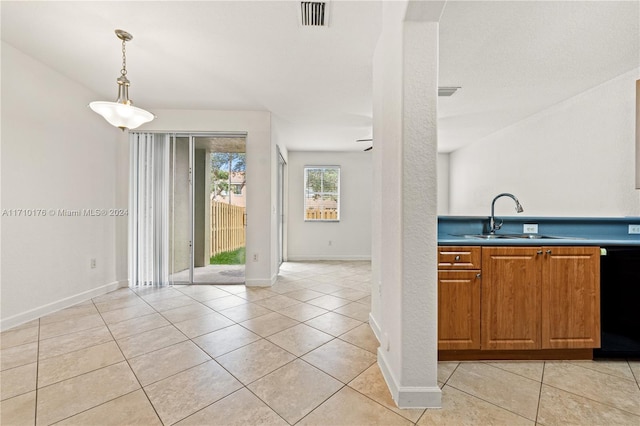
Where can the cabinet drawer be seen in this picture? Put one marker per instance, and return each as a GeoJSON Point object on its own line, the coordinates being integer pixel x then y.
{"type": "Point", "coordinates": [459, 257]}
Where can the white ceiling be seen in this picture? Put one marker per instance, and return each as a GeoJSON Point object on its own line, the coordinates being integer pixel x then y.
{"type": "Point", "coordinates": [512, 59]}
{"type": "Point", "coordinates": [515, 58]}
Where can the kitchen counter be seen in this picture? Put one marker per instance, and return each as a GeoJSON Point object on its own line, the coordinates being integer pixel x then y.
{"type": "Point", "coordinates": [569, 231]}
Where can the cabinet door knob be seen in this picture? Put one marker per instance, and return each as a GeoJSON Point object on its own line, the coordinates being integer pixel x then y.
{"type": "Point", "coordinates": [478, 275]}
{"type": "Point", "coordinates": [457, 258]}
{"type": "Point", "coordinates": [539, 251]}
{"type": "Point", "coordinates": [548, 251]}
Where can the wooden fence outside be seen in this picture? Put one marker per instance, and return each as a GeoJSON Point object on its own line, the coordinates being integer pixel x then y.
{"type": "Point", "coordinates": [227, 227]}
{"type": "Point", "coordinates": [316, 214]}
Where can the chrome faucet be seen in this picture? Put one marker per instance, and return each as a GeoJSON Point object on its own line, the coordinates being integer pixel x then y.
{"type": "Point", "coordinates": [493, 226]}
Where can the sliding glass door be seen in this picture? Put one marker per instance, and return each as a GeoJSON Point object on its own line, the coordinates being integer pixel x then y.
{"type": "Point", "coordinates": [188, 208]}
{"type": "Point", "coordinates": [220, 197]}
{"type": "Point", "coordinates": [180, 210]}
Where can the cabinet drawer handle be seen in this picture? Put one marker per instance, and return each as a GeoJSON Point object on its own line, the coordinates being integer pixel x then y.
{"type": "Point", "coordinates": [548, 251]}
{"type": "Point", "coordinates": [457, 258]}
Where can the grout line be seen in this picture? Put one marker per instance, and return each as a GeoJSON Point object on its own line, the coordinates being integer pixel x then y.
{"type": "Point", "coordinates": [104, 402]}
{"type": "Point", "coordinates": [96, 406]}
{"type": "Point", "coordinates": [594, 400]}
{"type": "Point", "coordinates": [441, 389]}
{"type": "Point", "coordinates": [140, 332]}
{"type": "Point", "coordinates": [245, 386]}
{"type": "Point", "coordinates": [211, 358]}
{"type": "Point", "coordinates": [134, 374]}
{"type": "Point", "coordinates": [79, 374]}
{"type": "Point", "coordinates": [296, 357]}
{"type": "Point", "coordinates": [78, 318]}
{"type": "Point", "coordinates": [489, 364]}
{"type": "Point", "coordinates": [489, 402]}
{"type": "Point", "coordinates": [540, 393]}
{"type": "Point", "coordinates": [583, 365]}
{"type": "Point", "coordinates": [633, 373]}
{"type": "Point", "coordinates": [328, 398]}
{"type": "Point", "coordinates": [35, 417]}
{"type": "Point", "coordinates": [451, 375]}
{"type": "Point", "coordinates": [382, 405]}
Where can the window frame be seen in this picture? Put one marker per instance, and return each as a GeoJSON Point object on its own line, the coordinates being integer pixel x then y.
{"type": "Point", "coordinates": [320, 193]}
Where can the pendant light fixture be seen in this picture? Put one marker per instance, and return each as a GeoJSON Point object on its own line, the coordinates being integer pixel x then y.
{"type": "Point", "coordinates": [122, 113]}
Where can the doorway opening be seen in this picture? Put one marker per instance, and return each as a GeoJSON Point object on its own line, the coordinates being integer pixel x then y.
{"type": "Point", "coordinates": [281, 206]}
{"type": "Point", "coordinates": [207, 212]}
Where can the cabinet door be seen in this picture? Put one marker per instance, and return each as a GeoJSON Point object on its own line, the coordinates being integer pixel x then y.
{"type": "Point", "coordinates": [511, 297]}
{"type": "Point", "coordinates": [458, 310]}
{"type": "Point", "coordinates": [571, 297]}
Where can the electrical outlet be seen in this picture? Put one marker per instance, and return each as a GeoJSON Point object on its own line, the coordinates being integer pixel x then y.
{"type": "Point", "coordinates": [634, 229]}
{"type": "Point", "coordinates": [93, 263]}
{"type": "Point", "coordinates": [530, 228]}
{"type": "Point", "coordinates": [255, 257]}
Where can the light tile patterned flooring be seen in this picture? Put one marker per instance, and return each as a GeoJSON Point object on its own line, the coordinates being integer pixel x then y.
{"type": "Point", "coordinates": [298, 353]}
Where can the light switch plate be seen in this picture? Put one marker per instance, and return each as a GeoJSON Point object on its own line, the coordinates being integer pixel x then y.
{"type": "Point", "coordinates": [530, 228]}
{"type": "Point", "coordinates": [634, 229]}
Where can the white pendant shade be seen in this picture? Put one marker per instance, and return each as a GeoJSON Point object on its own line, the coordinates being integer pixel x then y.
{"type": "Point", "coordinates": [121, 115]}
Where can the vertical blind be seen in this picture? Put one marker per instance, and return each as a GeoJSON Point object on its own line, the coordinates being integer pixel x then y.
{"type": "Point", "coordinates": [149, 209]}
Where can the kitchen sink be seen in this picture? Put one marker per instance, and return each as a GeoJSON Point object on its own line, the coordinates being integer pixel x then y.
{"type": "Point", "coordinates": [513, 236]}
{"type": "Point", "coordinates": [486, 236]}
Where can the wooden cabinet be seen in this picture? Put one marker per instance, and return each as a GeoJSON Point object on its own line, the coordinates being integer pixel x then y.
{"type": "Point", "coordinates": [459, 309]}
{"type": "Point", "coordinates": [511, 288]}
{"type": "Point", "coordinates": [459, 297]}
{"type": "Point", "coordinates": [540, 297]}
{"type": "Point", "coordinates": [571, 297]}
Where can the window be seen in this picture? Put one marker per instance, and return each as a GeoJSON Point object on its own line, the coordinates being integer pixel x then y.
{"type": "Point", "coordinates": [322, 193]}
{"type": "Point", "coordinates": [236, 188]}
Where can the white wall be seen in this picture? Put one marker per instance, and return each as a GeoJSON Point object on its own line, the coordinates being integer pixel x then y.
{"type": "Point", "coordinates": [573, 159]}
{"type": "Point", "coordinates": [351, 236]}
{"type": "Point", "coordinates": [404, 269]}
{"type": "Point", "coordinates": [443, 183]}
{"type": "Point", "coordinates": [56, 154]}
{"type": "Point", "coordinates": [261, 176]}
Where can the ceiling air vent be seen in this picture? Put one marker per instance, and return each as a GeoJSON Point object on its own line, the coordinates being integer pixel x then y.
{"type": "Point", "coordinates": [314, 14]}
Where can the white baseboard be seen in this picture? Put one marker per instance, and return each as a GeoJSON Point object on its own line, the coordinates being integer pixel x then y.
{"type": "Point", "coordinates": [303, 257]}
{"type": "Point", "coordinates": [52, 307]}
{"type": "Point", "coordinates": [409, 396]}
{"type": "Point", "coordinates": [375, 327]}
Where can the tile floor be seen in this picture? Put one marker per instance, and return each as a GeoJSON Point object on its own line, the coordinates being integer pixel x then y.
{"type": "Point", "coordinates": [298, 353]}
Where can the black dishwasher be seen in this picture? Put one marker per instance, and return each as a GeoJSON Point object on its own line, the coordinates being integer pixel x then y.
{"type": "Point", "coordinates": [619, 303]}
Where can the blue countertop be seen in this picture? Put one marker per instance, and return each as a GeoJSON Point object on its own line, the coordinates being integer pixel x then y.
{"type": "Point", "coordinates": [569, 231]}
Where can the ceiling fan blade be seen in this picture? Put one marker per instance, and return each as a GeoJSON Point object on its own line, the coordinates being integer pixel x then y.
{"type": "Point", "coordinates": [368, 149]}
{"type": "Point", "coordinates": [364, 140]}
